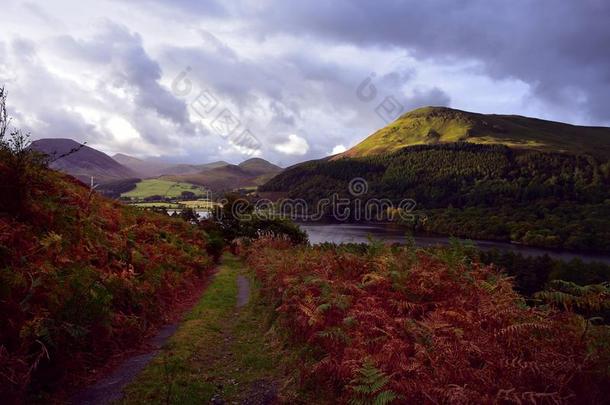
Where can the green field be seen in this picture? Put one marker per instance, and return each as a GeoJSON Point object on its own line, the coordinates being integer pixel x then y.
{"type": "Point", "coordinates": [166, 205]}
{"type": "Point", "coordinates": [195, 204]}
{"type": "Point", "coordinates": [163, 188]}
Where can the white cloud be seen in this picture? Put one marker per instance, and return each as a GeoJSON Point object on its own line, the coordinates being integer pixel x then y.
{"type": "Point", "coordinates": [295, 145]}
{"type": "Point", "coordinates": [338, 149]}
{"type": "Point", "coordinates": [122, 130]}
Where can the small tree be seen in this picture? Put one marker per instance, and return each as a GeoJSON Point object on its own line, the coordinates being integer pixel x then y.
{"type": "Point", "coordinates": [20, 164]}
{"type": "Point", "coordinates": [189, 215]}
{"type": "Point", "coordinates": [187, 195]}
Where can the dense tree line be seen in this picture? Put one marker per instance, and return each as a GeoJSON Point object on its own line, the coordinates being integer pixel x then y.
{"type": "Point", "coordinates": [479, 191]}
{"type": "Point", "coordinates": [533, 274]}
{"type": "Point", "coordinates": [114, 188]}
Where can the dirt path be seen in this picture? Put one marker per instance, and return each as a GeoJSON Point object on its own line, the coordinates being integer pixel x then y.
{"type": "Point", "coordinates": [243, 291]}
{"type": "Point", "coordinates": [221, 354]}
{"type": "Point", "coordinates": [110, 389]}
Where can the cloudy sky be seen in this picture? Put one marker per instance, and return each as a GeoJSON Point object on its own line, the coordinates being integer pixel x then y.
{"type": "Point", "coordinates": [199, 81]}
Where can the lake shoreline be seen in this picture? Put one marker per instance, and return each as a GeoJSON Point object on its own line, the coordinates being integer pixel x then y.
{"type": "Point", "coordinates": [395, 233]}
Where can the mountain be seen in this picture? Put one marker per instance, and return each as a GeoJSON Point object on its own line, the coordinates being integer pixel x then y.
{"type": "Point", "coordinates": [259, 166]}
{"type": "Point", "coordinates": [433, 125]}
{"type": "Point", "coordinates": [145, 168]}
{"type": "Point", "coordinates": [493, 177]}
{"type": "Point", "coordinates": [84, 163]}
{"type": "Point", "coordinates": [250, 173]}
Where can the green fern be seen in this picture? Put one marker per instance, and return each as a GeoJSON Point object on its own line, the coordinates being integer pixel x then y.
{"type": "Point", "coordinates": [368, 386]}
{"type": "Point", "coordinates": [570, 296]}
{"type": "Point", "coordinates": [334, 333]}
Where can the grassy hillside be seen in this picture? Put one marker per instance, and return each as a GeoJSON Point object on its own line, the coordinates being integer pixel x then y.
{"type": "Point", "coordinates": [432, 125]}
{"type": "Point", "coordinates": [82, 277]}
{"type": "Point", "coordinates": [163, 188]}
{"type": "Point", "coordinates": [219, 179]}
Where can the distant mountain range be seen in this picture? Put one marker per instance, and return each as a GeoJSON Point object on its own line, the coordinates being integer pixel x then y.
{"type": "Point", "coordinates": [424, 126]}
{"type": "Point", "coordinates": [84, 162]}
{"type": "Point", "coordinates": [434, 125]}
{"type": "Point", "coordinates": [249, 174]}
{"type": "Point", "coordinates": [149, 168]}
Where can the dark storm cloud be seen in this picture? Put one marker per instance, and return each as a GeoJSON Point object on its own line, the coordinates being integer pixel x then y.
{"type": "Point", "coordinates": [424, 97]}
{"type": "Point", "coordinates": [59, 123]}
{"type": "Point", "coordinates": [560, 48]}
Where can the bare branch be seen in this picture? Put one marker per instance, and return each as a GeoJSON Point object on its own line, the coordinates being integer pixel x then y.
{"type": "Point", "coordinates": [70, 152]}
{"type": "Point", "coordinates": [4, 119]}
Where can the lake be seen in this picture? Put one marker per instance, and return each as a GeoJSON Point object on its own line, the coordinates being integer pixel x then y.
{"type": "Point", "coordinates": [359, 233]}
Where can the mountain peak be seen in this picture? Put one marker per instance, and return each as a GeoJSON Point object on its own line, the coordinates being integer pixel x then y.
{"type": "Point", "coordinates": [254, 160]}
{"type": "Point", "coordinates": [81, 161]}
{"type": "Point", "coordinates": [433, 124]}
{"type": "Point", "coordinates": [430, 111]}
{"type": "Point", "coordinates": [259, 166]}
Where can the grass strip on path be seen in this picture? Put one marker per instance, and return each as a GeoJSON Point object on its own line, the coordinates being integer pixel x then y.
{"type": "Point", "coordinates": [220, 352]}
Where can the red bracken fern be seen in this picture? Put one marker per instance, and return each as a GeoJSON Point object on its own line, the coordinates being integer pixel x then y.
{"type": "Point", "coordinates": [422, 329]}
{"type": "Point", "coordinates": [82, 277]}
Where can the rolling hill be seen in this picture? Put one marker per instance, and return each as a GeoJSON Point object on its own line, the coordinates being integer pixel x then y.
{"type": "Point", "coordinates": [249, 173]}
{"type": "Point", "coordinates": [433, 125]}
{"type": "Point", "coordinates": [83, 164]}
{"type": "Point", "coordinates": [259, 166]}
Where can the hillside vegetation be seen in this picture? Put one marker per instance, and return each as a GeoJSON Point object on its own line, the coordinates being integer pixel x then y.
{"type": "Point", "coordinates": [81, 277]}
{"type": "Point", "coordinates": [432, 125]}
{"type": "Point", "coordinates": [475, 191]}
{"type": "Point", "coordinates": [386, 325]}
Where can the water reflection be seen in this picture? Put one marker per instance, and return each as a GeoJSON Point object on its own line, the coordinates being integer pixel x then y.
{"type": "Point", "coordinates": [359, 233]}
